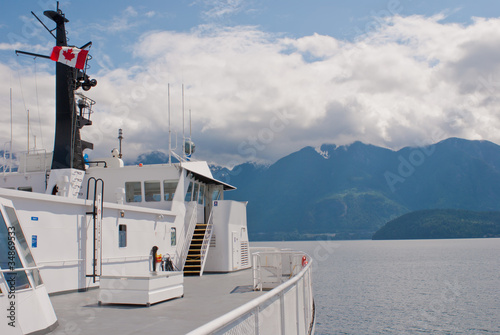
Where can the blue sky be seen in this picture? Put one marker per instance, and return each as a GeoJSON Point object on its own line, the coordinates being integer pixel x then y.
{"type": "Point", "coordinates": [263, 78]}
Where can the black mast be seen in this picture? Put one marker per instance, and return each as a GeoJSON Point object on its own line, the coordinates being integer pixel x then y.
{"type": "Point", "coordinates": [68, 146]}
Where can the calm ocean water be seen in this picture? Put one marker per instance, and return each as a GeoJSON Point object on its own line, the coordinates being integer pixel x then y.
{"type": "Point", "coordinates": [406, 286]}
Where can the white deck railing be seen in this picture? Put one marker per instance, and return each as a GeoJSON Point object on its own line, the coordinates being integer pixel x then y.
{"type": "Point", "coordinates": [286, 309]}
{"type": "Point", "coordinates": [36, 160]}
{"type": "Point", "coordinates": [271, 268]}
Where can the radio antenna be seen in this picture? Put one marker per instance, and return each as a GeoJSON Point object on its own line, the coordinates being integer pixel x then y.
{"type": "Point", "coordinates": [120, 138]}
{"type": "Point", "coordinates": [183, 127]}
{"type": "Point", "coordinates": [169, 129]}
{"type": "Point", "coordinates": [10, 154]}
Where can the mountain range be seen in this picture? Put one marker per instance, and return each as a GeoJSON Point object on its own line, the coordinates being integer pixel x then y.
{"type": "Point", "coordinates": [350, 191]}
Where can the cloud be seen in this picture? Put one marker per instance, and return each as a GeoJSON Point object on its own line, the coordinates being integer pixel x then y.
{"type": "Point", "coordinates": [258, 96]}
{"type": "Point", "coordinates": [12, 46]}
{"type": "Point", "coordinates": [120, 23]}
{"type": "Point", "coordinates": [219, 9]}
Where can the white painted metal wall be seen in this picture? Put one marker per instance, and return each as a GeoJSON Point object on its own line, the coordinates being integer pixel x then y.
{"type": "Point", "coordinates": [230, 231]}
{"type": "Point", "coordinates": [64, 237]}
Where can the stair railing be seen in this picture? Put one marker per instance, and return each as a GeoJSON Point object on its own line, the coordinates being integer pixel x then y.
{"type": "Point", "coordinates": [188, 235]}
{"type": "Point", "coordinates": [206, 240]}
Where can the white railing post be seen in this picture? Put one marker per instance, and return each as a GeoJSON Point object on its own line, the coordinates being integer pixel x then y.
{"type": "Point", "coordinates": [297, 304]}
{"type": "Point", "coordinates": [257, 311]}
{"type": "Point", "coordinates": [305, 303]}
{"type": "Point", "coordinates": [282, 312]}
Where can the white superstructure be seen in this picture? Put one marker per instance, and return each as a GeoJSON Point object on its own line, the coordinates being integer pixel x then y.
{"type": "Point", "coordinates": [68, 225]}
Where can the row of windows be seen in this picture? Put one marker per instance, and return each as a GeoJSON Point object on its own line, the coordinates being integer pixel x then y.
{"type": "Point", "coordinates": [122, 236]}
{"type": "Point", "coordinates": [154, 190]}
{"type": "Point", "coordinates": [195, 192]}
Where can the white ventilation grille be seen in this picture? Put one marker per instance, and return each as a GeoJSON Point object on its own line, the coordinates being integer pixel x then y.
{"type": "Point", "coordinates": [244, 254]}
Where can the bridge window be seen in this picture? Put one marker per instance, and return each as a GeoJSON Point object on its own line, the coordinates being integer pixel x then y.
{"type": "Point", "coordinates": [195, 193]}
{"type": "Point", "coordinates": [122, 236]}
{"type": "Point", "coordinates": [152, 190]}
{"type": "Point", "coordinates": [216, 194]}
{"type": "Point", "coordinates": [24, 249]}
{"type": "Point", "coordinates": [133, 191]}
{"type": "Point", "coordinates": [189, 192]}
{"type": "Point", "coordinates": [169, 188]}
{"type": "Point", "coordinates": [201, 198]}
{"type": "Point", "coordinates": [9, 258]}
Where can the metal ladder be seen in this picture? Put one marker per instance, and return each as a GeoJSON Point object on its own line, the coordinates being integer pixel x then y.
{"type": "Point", "coordinates": [97, 226]}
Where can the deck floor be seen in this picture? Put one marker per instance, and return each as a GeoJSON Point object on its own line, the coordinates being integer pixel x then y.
{"type": "Point", "coordinates": [205, 298]}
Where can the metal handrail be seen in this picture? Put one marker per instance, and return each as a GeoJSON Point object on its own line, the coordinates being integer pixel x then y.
{"type": "Point", "coordinates": [20, 269]}
{"type": "Point", "coordinates": [61, 261]}
{"type": "Point", "coordinates": [257, 274]}
{"type": "Point", "coordinates": [22, 157]}
{"type": "Point", "coordinates": [253, 307]}
{"type": "Point", "coordinates": [5, 165]}
{"type": "Point", "coordinates": [188, 236]}
{"type": "Point", "coordinates": [206, 240]}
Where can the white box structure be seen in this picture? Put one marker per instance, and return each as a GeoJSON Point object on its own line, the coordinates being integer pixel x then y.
{"type": "Point", "coordinates": [141, 289]}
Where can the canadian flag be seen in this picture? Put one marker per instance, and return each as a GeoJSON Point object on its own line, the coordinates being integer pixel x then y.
{"type": "Point", "coordinates": [70, 56]}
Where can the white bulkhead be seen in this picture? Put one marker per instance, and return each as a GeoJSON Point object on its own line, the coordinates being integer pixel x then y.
{"type": "Point", "coordinates": [229, 247]}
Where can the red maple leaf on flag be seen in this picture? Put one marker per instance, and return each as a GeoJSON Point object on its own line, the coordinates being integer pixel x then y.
{"type": "Point", "coordinates": [68, 54]}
